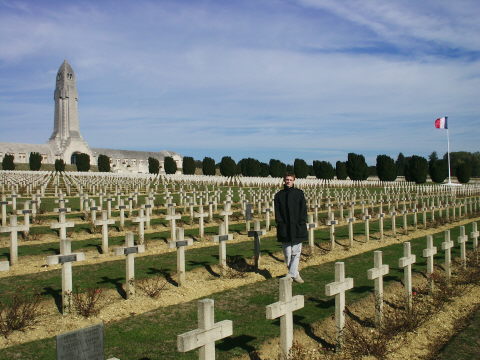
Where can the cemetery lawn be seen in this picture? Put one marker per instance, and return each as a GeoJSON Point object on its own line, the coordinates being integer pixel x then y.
{"type": "Point", "coordinates": [94, 242]}
{"type": "Point", "coordinates": [111, 274]}
{"type": "Point", "coordinates": [152, 335]}
{"type": "Point", "coordinates": [466, 344]}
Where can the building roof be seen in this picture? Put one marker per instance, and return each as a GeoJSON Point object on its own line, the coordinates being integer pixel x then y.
{"type": "Point", "coordinates": [25, 148]}
{"type": "Point", "coordinates": [133, 154]}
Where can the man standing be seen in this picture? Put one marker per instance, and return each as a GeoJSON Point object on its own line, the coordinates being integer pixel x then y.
{"type": "Point", "coordinates": [291, 219]}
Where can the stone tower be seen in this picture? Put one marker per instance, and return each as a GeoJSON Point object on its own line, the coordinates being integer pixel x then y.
{"type": "Point", "coordinates": [66, 139]}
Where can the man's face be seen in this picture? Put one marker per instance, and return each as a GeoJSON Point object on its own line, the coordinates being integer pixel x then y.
{"type": "Point", "coordinates": [288, 181]}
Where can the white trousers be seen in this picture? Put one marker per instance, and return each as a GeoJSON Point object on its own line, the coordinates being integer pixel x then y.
{"type": "Point", "coordinates": [292, 257]}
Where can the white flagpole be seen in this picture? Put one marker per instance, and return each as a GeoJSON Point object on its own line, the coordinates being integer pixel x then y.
{"type": "Point", "coordinates": [448, 153]}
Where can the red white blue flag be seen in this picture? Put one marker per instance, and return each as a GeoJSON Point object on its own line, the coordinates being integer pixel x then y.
{"type": "Point", "coordinates": [441, 123]}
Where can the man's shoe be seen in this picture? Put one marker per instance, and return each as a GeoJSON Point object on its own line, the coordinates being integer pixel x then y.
{"type": "Point", "coordinates": [298, 279]}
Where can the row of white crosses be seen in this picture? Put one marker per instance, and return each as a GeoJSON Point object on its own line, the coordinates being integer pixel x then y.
{"type": "Point", "coordinates": [341, 284]}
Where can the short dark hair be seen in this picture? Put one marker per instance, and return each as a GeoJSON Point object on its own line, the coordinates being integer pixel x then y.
{"type": "Point", "coordinates": [289, 174]}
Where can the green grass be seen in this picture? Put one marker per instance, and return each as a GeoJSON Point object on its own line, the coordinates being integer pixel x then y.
{"type": "Point", "coordinates": [152, 335]}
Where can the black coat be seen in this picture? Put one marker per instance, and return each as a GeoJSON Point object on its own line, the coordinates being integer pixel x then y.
{"type": "Point", "coordinates": [291, 215]}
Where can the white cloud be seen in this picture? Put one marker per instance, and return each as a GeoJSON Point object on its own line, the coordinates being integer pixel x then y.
{"type": "Point", "coordinates": [255, 75]}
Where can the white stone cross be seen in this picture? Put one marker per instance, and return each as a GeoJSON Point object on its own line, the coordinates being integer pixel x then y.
{"type": "Point", "coordinates": [338, 288]}
{"type": "Point", "coordinates": [462, 240]}
{"type": "Point", "coordinates": [122, 207]}
{"type": "Point", "coordinates": [14, 196]}
{"type": "Point", "coordinates": [13, 229]}
{"type": "Point", "coordinates": [207, 333]}
{"type": "Point", "coordinates": [4, 204]}
{"type": "Point", "coordinates": [66, 261]}
{"type": "Point", "coordinates": [351, 220]}
{"type": "Point", "coordinates": [129, 250]}
{"type": "Point", "coordinates": [367, 218]}
{"type": "Point", "coordinates": [226, 213]}
{"type": "Point", "coordinates": [393, 214]}
{"type": "Point", "coordinates": [284, 309]}
{"type": "Point", "coordinates": [377, 273]}
{"type": "Point", "coordinates": [180, 244]}
{"type": "Point", "coordinates": [429, 253]}
{"type": "Point", "coordinates": [332, 222]}
{"type": "Point", "coordinates": [221, 238]}
{"type": "Point", "coordinates": [405, 217]}
{"type": "Point", "coordinates": [474, 236]}
{"type": "Point", "coordinates": [256, 233]}
{"type": "Point", "coordinates": [26, 215]}
{"type": "Point", "coordinates": [405, 263]}
{"type": "Point", "coordinates": [93, 211]}
{"type": "Point", "coordinates": [62, 224]}
{"type": "Point", "coordinates": [201, 215]}
{"type": "Point", "coordinates": [148, 211]}
{"type": "Point", "coordinates": [447, 245]}
{"type": "Point", "coordinates": [381, 216]}
{"type": "Point", "coordinates": [172, 217]}
{"type": "Point", "coordinates": [140, 219]}
{"type": "Point", "coordinates": [104, 223]}
{"type": "Point", "coordinates": [311, 225]}
{"type": "Point", "coordinates": [267, 210]}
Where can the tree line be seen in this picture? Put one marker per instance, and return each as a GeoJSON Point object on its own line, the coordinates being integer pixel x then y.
{"type": "Point", "coordinates": [464, 165]}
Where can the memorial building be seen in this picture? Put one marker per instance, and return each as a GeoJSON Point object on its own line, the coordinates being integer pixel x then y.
{"type": "Point", "coordinates": [66, 142]}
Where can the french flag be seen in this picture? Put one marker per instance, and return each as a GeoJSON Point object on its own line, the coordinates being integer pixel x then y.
{"type": "Point", "coordinates": [441, 123]}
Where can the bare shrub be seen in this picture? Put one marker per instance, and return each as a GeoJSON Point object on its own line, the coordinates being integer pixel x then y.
{"type": "Point", "coordinates": [152, 287]}
{"type": "Point", "coordinates": [398, 318]}
{"type": "Point", "coordinates": [300, 352]}
{"type": "Point", "coordinates": [470, 275]}
{"type": "Point", "coordinates": [361, 341]}
{"type": "Point", "coordinates": [239, 264]}
{"type": "Point", "coordinates": [444, 291]}
{"type": "Point", "coordinates": [18, 312]}
{"type": "Point", "coordinates": [87, 303]}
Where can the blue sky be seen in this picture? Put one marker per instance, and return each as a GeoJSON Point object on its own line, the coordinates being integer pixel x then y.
{"type": "Point", "coordinates": [310, 79]}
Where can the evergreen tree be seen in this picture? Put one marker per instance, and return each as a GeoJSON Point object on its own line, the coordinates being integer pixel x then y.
{"type": "Point", "coordinates": [416, 169]}
{"type": "Point", "coordinates": [323, 170]}
{"type": "Point", "coordinates": [153, 165]}
{"type": "Point", "coordinates": [103, 163]}
{"type": "Point", "coordinates": [357, 168]}
{"type": "Point", "coordinates": [59, 165]}
{"type": "Point", "coordinates": [7, 162]}
{"type": "Point", "coordinates": [341, 170]}
{"type": "Point", "coordinates": [300, 168]}
{"type": "Point", "coordinates": [208, 166]}
{"type": "Point", "coordinates": [290, 169]}
{"type": "Point", "coordinates": [35, 161]}
{"type": "Point", "coordinates": [277, 168]}
{"type": "Point", "coordinates": [386, 168]}
{"type": "Point", "coordinates": [83, 162]}
{"type": "Point", "coordinates": [169, 165]}
{"type": "Point", "coordinates": [250, 167]}
{"type": "Point", "coordinates": [228, 166]}
{"type": "Point", "coordinates": [188, 166]}
{"type": "Point", "coordinates": [438, 170]}
{"type": "Point", "coordinates": [464, 172]}
{"type": "Point", "coordinates": [400, 164]}
{"type": "Point", "coordinates": [264, 169]}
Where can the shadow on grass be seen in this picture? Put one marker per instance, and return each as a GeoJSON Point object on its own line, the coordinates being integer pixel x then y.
{"type": "Point", "coordinates": [117, 283]}
{"type": "Point", "coordinates": [310, 332]}
{"type": "Point", "coordinates": [366, 322]}
{"type": "Point", "coordinates": [56, 294]}
{"type": "Point", "coordinates": [240, 341]}
{"type": "Point", "coordinates": [165, 273]}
